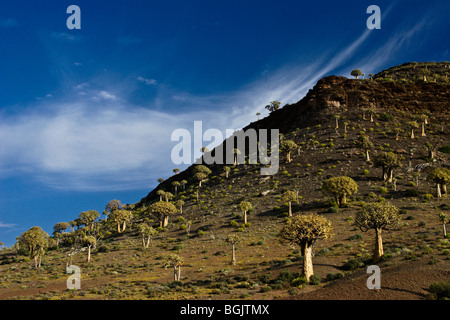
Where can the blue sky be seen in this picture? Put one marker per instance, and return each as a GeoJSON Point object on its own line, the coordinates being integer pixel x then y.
{"type": "Point", "coordinates": [86, 115]}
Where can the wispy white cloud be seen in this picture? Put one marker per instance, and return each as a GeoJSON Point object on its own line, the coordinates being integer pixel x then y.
{"type": "Point", "coordinates": [7, 225]}
{"type": "Point", "coordinates": [147, 81]}
{"type": "Point", "coordinates": [65, 36]}
{"type": "Point", "coordinates": [105, 95]}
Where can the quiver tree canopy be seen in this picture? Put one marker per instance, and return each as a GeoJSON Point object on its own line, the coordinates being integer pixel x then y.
{"type": "Point", "coordinates": [162, 210]}
{"type": "Point", "coordinates": [340, 188]}
{"type": "Point", "coordinates": [304, 231]}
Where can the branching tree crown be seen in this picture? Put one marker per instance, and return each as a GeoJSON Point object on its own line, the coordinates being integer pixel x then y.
{"type": "Point", "coordinates": [340, 188]}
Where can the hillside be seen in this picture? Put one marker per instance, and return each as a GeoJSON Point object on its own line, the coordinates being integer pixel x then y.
{"type": "Point", "coordinates": [415, 256]}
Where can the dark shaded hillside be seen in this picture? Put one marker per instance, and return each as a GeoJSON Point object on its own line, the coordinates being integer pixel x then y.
{"type": "Point", "coordinates": [334, 95]}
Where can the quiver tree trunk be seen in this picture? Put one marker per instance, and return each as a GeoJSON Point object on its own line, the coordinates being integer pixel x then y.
{"type": "Point", "coordinates": [175, 273]}
{"type": "Point", "coordinates": [342, 200]}
{"type": "Point", "coordinates": [245, 217]}
{"type": "Point", "coordinates": [89, 254]}
{"type": "Point", "coordinates": [390, 175]}
{"type": "Point", "coordinates": [288, 157]}
{"type": "Point", "coordinates": [165, 221]}
{"type": "Point", "coordinates": [307, 267]}
{"type": "Point", "coordinates": [438, 190]}
{"type": "Point", "coordinates": [290, 209]}
{"type": "Point", "coordinates": [233, 256]}
{"type": "Point", "coordinates": [367, 155]}
{"type": "Point", "coordinates": [378, 251]}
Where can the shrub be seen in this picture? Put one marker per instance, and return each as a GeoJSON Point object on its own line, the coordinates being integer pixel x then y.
{"type": "Point", "coordinates": [299, 281]}
{"type": "Point", "coordinates": [383, 190]}
{"type": "Point", "coordinates": [333, 209]}
{"type": "Point", "coordinates": [427, 196]}
{"type": "Point", "coordinates": [323, 251]}
{"type": "Point", "coordinates": [352, 264]}
{"type": "Point", "coordinates": [314, 280]}
{"type": "Point", "coordinates": [445, 149]}
{"type": "Point", "coordinates": [334, 276]}
{"type": "Point", "coordinates": [178, 247]}
{"type": "Point", "coordinates": [439, 291]}
{"type": "Point", "coordinates": [412, 193]}
{"type": "Point", "coordinates": [357, 236]}
{"type": "Point", "coordinates": [234, 223]}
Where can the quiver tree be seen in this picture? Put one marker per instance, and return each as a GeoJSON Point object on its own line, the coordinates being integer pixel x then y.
{"type": "Point", "coordinates": [337, 117]}
{"type": "Point", "coordinates": [388, 161]}
{"type": "Point", "coordinates": [371, 111]}
{"type": "Point", "coordinates": [424, 120]}
{"type": "Point", "coordinates": [236, 152]}
{"type": "Point", "coordinates": [397, 132]}
{"type": "Point", "coordinates": [245, 206]}
{"type": "Point", "coordinates": [88, 218]}
{"type": "Point", "coordinates": [112, 206]}
{"type": "Point", "coordinates": [176, 170]}
{"type": "Point", "coordinates": [288, 146]}
{"type": "Point", "coordinates": [288, 197]}
{"type": "Point", "coordinates": [160, 180]}
{"type": "Point", "coordinates": [35, 241]}
{"type": "Point", "coordinates": [412, 125]}
{"type": "Point", "coordinates": [273, 106]}
{"type": "Point", "coordinates": [174, 261]}
{"type": "Point", "coordinates": [89, 242]}
{"type": "Point", "coordinates": [226, 170]}
{"type": "Point", "coordinates": [183, 184]}
{"type": "Point", "coordinates": [72, 225]}
{"type": "Point", "coordinates": [340, 188]}
{"type": "Point", "coordinates": [304, 231]}
{"type": "Point", "coordinates": [366, 145]}
{"type": "Point", "coordinates": [180, 204]}
{"type": "Point", "coordinates": [161, 194]}
{"type": "Point", "coordinates": [378, 216]}
{"type": "Point", "coordinates": [233, 239]}
{"type": "Point", "coordinates": [121, 218]}
{"type": "Point", "coordinates": [443, 219]}
{"type": "Point", "coordinates": [346, 123]}
{"type": "Point", "coordinates": [60, 227]}
{"type": "Point", "coordinates": [200, 173]}
{"type": "Point", "coordinates": [175, 185]}
{"type": "Point", "coordinates": [431, 148]}
{"type": "Point", "coordinates": [356, 73]}
{"type": "Point", "coordinates": [162, 210]}
{"type": "Point", "coordinates": [147, 233]}
{"type": "Point", "coordinates": [168, 196]}
{"type": "Point", "coordinates": [440, 176]}
{"type": "Point", "coordinates": [199, 176]}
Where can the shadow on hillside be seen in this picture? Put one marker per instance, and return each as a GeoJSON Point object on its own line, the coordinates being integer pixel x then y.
{"type": "Point", "coordinates": [406, 291]}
